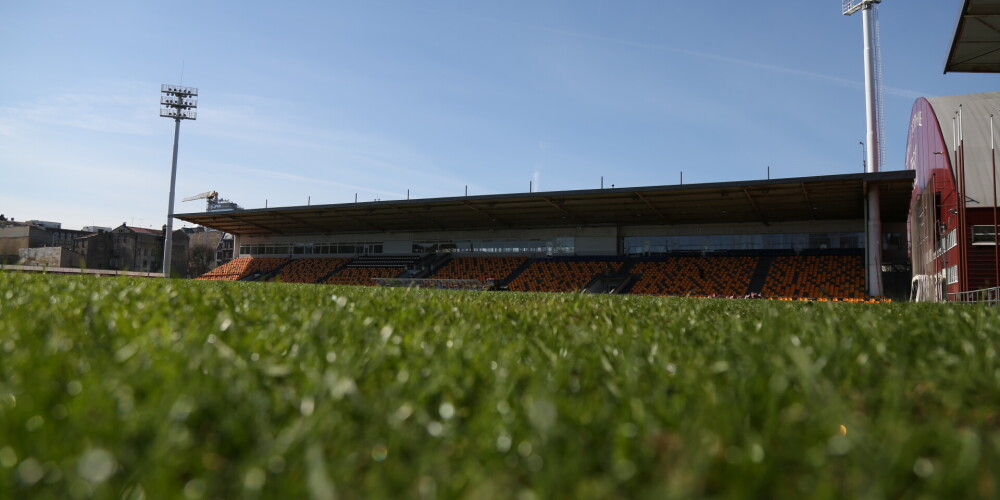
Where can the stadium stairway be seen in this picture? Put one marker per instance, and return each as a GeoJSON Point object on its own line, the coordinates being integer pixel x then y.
{"type": "Point", "coordinates": [265, 275]}
{"type": "Point", "coordinates": [322, 279]}
{"type": "Point", "coordinates": [502, 284]}
{"type": "Point", "coordinates": [625, 287]}
{"type": "Point", "coordinates": [613, 283]}
{"type": "Point", "coordinates": [760, 274]}
{"type": "Point", "coordinates": [429, 265]}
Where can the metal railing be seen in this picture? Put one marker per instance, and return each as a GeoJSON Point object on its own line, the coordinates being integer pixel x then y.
{"type": "Point", "coordinates": [74, 270]}
{"type": "Point", "coordinates": [446, 284]}
{"type": "Point", "coordinates": [988, 296]}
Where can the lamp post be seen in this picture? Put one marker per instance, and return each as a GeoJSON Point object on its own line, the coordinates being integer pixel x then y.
{"type": "Point", "coordinates": [178, 103]}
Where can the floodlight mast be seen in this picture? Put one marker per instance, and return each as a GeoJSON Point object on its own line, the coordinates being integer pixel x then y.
{"type": "Point", "coordinates": [873, 85]}
{"type": "Point", "coordinates": [179, 103]}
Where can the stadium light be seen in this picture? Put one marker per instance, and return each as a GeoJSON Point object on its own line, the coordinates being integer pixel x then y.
{"type": "Point", "coordinates": [179, 103]}
{"type": "Point", "coordinates": [873, 115]}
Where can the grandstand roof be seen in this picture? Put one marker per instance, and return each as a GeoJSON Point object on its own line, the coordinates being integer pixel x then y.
{"type": "Point", "coordinates": [976, 46]}
{"type": "Point", "coordinates": [835, 197]}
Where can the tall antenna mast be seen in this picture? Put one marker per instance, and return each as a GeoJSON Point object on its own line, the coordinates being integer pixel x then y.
{"type": "Point", "coordinates": [873, 114]}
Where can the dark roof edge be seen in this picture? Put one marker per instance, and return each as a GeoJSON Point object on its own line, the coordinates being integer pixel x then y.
{"type": "Point", "coordinates": [891, 175]}
{"type": "Point", "coordinates": [954, 38]}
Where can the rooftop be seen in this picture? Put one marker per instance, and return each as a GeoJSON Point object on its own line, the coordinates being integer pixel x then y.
{"type": "Point", "coordinates": [835, 197]}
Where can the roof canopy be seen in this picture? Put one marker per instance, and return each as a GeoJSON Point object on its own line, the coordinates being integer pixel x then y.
{"type": "Point", "coordinates": [976, 46]}
{"type": "Point", "coordinates": [835, 197]}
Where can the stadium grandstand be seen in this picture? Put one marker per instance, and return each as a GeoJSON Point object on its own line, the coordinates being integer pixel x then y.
{"type": "Point", "coordinates": [795, 238]}
{"type": "Point", "coordinates": [800, 238]}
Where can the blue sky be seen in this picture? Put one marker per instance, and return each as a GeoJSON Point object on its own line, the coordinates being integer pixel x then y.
{"type": "Point", "coordinates": [319, 101]}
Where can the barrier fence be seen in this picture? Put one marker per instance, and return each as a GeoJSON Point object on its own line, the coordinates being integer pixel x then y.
{"type": "Point", "coordinates": [444, 284]}
{"type": "Point", "coordinates": [73, 270]}
{"type": "Point", "coordinates": [988, 296]}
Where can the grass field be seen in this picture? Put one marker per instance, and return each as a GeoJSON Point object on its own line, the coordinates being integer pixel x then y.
{"type": "Point", "coordinates": [115, 387]}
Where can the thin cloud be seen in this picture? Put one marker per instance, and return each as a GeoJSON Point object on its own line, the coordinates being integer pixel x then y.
{"type": "Point", "coordinates": [241, 119]}
{"type": "Point", "coordinates": [306, 179]}
{"type": "Point", "coordinates": [93, 112]}
{"type": "Point", "coordinates": [833, 80]}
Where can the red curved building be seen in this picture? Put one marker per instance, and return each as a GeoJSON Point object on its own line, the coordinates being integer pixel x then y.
{"type": "Point", "coordinates": [953, 212]}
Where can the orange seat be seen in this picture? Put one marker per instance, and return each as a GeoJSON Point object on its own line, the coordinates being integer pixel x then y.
{"type": "Point", "coordinates": [704, 276]}
{"type": "Point", "coordinates": [560, 276]}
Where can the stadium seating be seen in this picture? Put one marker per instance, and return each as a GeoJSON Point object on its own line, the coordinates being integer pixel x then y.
{"type": "Point", "coordinates": [817, 276]}
{"type": "Point", "coordinates": [309, 270]}
{"type": "Point", "coordinates": [709, 276]}
{"type": "Point", "coordinates": [835, 277]}
{"type": "Point", "coordinates": [561, 275]}
{"type": "Point", "coordinates": [363, 276]}
{"type": "Point", "coordinates": [364, 270]}
{"type": "Point", "coordinates": [242, 267]}
{"type": "Point", "coordinates": [479, 268]}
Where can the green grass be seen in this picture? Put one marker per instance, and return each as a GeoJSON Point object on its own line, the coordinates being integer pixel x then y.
{"type": "Point", "coordinates": [171, 389]}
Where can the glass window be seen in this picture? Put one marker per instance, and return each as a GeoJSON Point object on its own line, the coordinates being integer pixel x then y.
{"type": "Point", "coordinates": [947, 242]}
{"type": "Point", "coordinates": [714, 242]}
{"type": "Point", "coordinates": [984, 235]}
{"type": "Point", "coordinates": [951, 274]}
{"type": "Point", "coordinates": [892, 241]}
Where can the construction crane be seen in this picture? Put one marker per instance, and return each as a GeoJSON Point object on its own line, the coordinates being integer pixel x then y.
{"type": "Point", "coordinates": [213, 202]}
{"type": "Point", "coordinates": [211, 195]}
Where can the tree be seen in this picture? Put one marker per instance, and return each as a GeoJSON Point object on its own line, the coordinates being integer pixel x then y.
{"type": "Point", "coordinates": [201, 259]}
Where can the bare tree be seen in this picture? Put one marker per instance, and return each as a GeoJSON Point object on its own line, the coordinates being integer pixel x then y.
{"type": "Point", "coordinates": [201, 259]}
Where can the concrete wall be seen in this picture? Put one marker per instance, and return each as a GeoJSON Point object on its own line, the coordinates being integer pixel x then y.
{"type": "Point", "coordinates": [178, 255]}
{"type": "Point", "coordinates": [125, 250]}
{"type": "Point", "coordinates": [13, 239]}
{"type": "Point", "coordinates": [50, 257]}
{"type": "Point", "coordinates": [596, 245]}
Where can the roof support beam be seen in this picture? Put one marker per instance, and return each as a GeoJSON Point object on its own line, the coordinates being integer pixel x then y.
{"type": "Point", "coordinates": [564, 211]}
{"type": "Point", "coordinates": [414, 217]}
{"type": "Point", "coordinates": [805, 193]}
{"type": "Point", "coordinates": [663, 216]}
{"type": "Point", "coordinates": [254, 224]}
{"type": "Point", "coordinates": [484, 212]}
{"type": "Point", "coordinates": [362, 222]}
{"type": "Point", "coordinates": [755, 207]}
{"type": "Point", "coordinates": [293, 219]}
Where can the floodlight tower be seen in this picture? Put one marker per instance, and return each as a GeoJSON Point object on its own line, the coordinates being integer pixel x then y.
{"type": "Point", "coordinates": [873, 114]}
{"type": "Point", "coordinates": [178, 103]}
